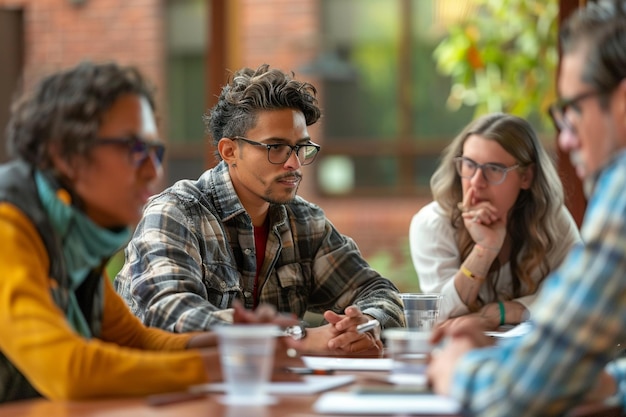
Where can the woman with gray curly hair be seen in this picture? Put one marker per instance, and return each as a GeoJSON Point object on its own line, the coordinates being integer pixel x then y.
{"type": "Point", "coordinates": [85, 151]}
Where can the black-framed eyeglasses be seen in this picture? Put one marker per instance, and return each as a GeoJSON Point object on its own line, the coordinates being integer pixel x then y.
{"type": "Point", "coordinates": [279, 153]}
{"type": "Point", "coordinates": [139, 149]}
{"type": "Point", "coordinates": [492, 172]}
{"type": "Point", "coordinates": [558, 111]}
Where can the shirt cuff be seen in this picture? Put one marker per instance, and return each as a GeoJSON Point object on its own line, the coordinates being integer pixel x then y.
{"type": "Point", "coordinates": [617, 369]}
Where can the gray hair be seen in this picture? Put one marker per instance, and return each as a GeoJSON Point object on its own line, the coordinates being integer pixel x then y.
{"type": "Point", "coordinates": [600, 28]}
{"type": "Point", "coordinates": [67, 108]}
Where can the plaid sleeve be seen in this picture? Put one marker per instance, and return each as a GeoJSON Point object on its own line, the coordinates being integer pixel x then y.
{"type": "Point", "coordinates": [162, 278]}
{"type": "Point", "coordinates": [343, 277]}
{"type": "Point", "coordinates": [578, 323]}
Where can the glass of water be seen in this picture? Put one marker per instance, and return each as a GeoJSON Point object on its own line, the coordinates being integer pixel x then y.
{"type": "Point", "coordinates": [421, 311]}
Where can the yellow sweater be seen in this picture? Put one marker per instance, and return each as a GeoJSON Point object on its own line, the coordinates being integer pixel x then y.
{"type": "Point", "coordinates": [128, 359]}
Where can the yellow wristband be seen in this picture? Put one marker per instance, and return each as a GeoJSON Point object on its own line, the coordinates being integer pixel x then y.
{"type": "Point", "coordinates": [469, 274]}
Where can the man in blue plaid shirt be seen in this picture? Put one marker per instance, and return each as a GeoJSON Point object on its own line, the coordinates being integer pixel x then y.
{"type": "Point", "coordinates": [240, 232]}
{"type": "Point", "coordinates": [580, 315]}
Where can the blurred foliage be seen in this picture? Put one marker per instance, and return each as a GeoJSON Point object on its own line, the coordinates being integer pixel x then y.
{"type": "Point", "coordinates": [115, 264]}
{"type": "Point", "coordinates": [503, 57]}
{"type": "Point", "coordinates": [400, 271]}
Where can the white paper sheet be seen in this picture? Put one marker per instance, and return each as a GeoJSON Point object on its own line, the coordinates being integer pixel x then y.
{"type": "Point", "coordinates": [310, 384]}
{"type": "Point", "coordinates": [519, 330]}
{"type": "Point", "coordinates": [347, 364]}
{"type": "Point", "coordinates": [385, 404]}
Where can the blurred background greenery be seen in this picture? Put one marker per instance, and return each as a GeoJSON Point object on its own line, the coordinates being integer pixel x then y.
{"type": "Point", "coordinates": [503, 58]}
{"type": "Point", "coordinates": [401, 273]}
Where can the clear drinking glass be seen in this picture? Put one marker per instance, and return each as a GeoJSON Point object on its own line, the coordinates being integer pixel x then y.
{"type": "Point", "coordinates": [421, 311]}
{"type": "Point", "coordinates": [247, 358]}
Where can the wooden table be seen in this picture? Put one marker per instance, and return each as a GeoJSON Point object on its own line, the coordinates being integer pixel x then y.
{"type": "Point", "coordinates": [209, 406]}
{"type": "Point", "coordinates": [204, 407]}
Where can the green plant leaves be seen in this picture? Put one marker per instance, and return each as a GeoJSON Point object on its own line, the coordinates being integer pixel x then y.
{"type": "Point", "coordinates": [503, 57]}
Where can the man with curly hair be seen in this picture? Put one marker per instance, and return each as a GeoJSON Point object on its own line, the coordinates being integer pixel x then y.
{"type": "Point", "coordinates": [240, 232]}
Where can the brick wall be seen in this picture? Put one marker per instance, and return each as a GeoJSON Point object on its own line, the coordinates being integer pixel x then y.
{"type": "Point", "coordinates": [59, 34]}
{"type": "Point", "coordinates": [283, 33]}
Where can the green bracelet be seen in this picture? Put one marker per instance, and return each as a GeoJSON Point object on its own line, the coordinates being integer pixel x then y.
{"type": "Point", "coordinates": [502, 312]}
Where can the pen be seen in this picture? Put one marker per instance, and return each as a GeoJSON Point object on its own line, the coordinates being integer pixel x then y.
{"type": "Point", "coordinates": [366, 327]}
{"type": "Point", "coordinates": [309, 371]}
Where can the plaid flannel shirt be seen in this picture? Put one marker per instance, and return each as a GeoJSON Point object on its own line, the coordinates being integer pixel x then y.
{"type": "Point", "coordinates": [193, 253]}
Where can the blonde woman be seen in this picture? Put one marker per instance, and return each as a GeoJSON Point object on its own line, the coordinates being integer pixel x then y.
{"type": "Point", "coordinates": [497, 225]}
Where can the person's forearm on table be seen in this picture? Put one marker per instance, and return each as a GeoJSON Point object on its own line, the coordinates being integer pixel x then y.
{"type": "Point", "coordinates": [511, 312]}
{"type": "Point", "coordinates": [472, 274]}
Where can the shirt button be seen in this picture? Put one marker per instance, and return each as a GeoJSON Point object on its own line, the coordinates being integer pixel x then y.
{"type": "Point", "coordinates": [247, 251]}
{"type": "Point", "coordinates": [247, 294]}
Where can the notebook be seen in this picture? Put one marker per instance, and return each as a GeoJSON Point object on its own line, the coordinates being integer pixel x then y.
{"type": "Point", "coordinates": [310, 384]}
{"type": "Point", "coordinates": [347, 364]}
{"type": "Point", "coordinates": [385, 404]}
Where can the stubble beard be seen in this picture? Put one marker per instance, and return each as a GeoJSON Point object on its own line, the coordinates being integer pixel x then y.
{"type": "Point", "coordinates": [268, 197]}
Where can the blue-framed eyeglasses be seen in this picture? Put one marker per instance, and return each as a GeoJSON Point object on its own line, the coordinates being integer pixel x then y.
{"type": "Point", "coordinates": [279, 153]}
{"type": "Point", "coordinates": [493, 173]}
{"type": "Point", "coordinates": [139, 149]}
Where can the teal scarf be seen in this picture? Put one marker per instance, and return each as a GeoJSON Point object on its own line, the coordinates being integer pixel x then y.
{"type": "Point", "coordinates": [85, 245]}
